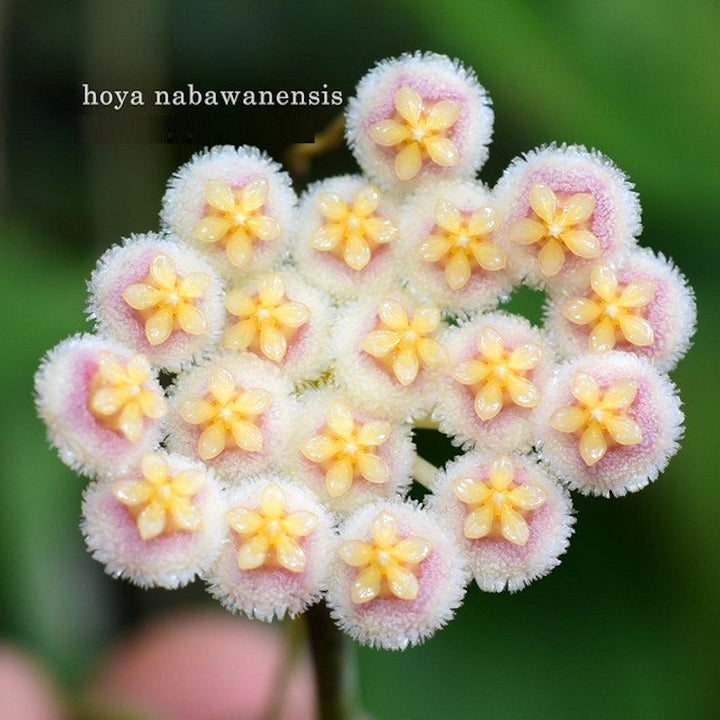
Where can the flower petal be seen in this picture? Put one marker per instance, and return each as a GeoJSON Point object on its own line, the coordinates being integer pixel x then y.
{"type": "Point", "coordinates": [379, 343]}
{"type": "Point", "coordinates": [602, 337]}
{"type": "Point", "coordinates": [637, 330]}
{"type": "Point", "coordinates": [328, 237]}
{"type": "Point", "coordinates": [408, 162]}
{"type": "Point", "coordinates": [501, 472]}
{"type": "Point", "coordinates": [132, 492]}
{"type": "Point", "coordinates": [525, 357]}
{"type": "Point", "coordinates": [431, 352]}
{"type": "Point", "coordinates": [482, 221]}
{"type": "Point", "coordinates": [239, 249]}
{"type": "Point", "coordinates": [356, 553]}
{"type": "Point", "coordinates": [523, 392]}
{"type": "Point", "coordinates": [623, 430]}
{"type": "Point", "coordinates": [319, 448]}
{"type": "Point", "coordinates": [212, 228]}
{"type": "Point", "coordinates": [526, 231]}
{"type": "Point", "coordinates": [543, 201]}
{"type": "Point", "coordinates": [406, 366]}
{"type": "Point", "coordinates": [264, 227]}
{"type": "Point", "coordinates": [241, 335]}
{"type": "Point", "coordinates": [578, 208]}
{"type": "Point", "coordinates": [356, 252]}
{"type": "Point", "coordinates": [488, 256]}
{"type": "Point", "coordinates": [593, 445]}
{"type": "Point", "coordinates": [254, 195]}
{"type": "Point", "coordinates": [373, 468]}
{"type": "Point", "coordinates": [194, 285]}
{"type": "Point", "coordinates": [448, 217]}
{"type": "Point", "coordinates": [151, 521]}
{"type": "Point", "coordinates": [185, 515]}
{"type": "Point", "coordinates": [479, 522]}
{"type": "Point", "coordinates": [490, 344]}
{"type": "Point", "coordinates": [411, 550]}
{"type": "Point", "coordinates": [433, 248]}
{"type": "Point", "coordinates": [159, 326]}
{"type": "Point", "coordinates": [603, 281]}
{"type": "Point", "coordinates": [442, 115]}
{"type": "Point", "coordinates": [339, 477]}
{"type": "Point", "coordinates": [551, 258]}
{"type": "Point", "coordinates": [331, 206]}
{"type": "Point", "coordinates": [366, 586]}
{"type": "Point", "coordinates": [620, 395]}
{"type": "Point", "coordinates": [253, 553]}
{"type": "Point", "coordinates": [247, 435]}
{"type": "Point", "coordinates": [162, 271]}
{"type": "Point", "coordinates": [219, 195]}
{"type": "Point", "coordinates": [374, 433]}
{"type": "Point", "coordinates": [196, 411]}
{"type": "Point", "coordinates": [585, 389]}
{"type": "Point", "coordinates": [300, 523]}
{"type": "Point", "coordinates": [292, 314]}
{"type": "Point", "coordinates": [513, 526]}
{"type": "Point", "coordinates": [388, 133]}
{"type": "Point", "coordinates": [581, 310]}
{"type": "Point", "coordinates": [528, 497]}
{"type": "Point", "coordinates": [244, 520]}
{"type": "Point", "coordinates": [582, 243]}
{"type": "Point", "coordinates": [273, 343]}
{"type": "Point", "coordinates": [191, 319]}
{"type": "Point", "coordinates": [489, 401]}
{"type": "Point", "coordinates": [141, 296]}
{"type": "Point", "coordinates": [470, 491]}
{"type": "Point", "coordinates": [457, 271]}
{"type": "Point", "coordinates": [211, 441]}
{"type": "Point", "coordinates": [222, 385]}
{"type": "Point", "coordinates": [470, 372]}
{"type": "Point", "coordinates": [402, 582]}
{"type": "Point", "coordinates": [384, 529]}
{"type": "Point", "coordinates": [568, 419]}
{"type": "Point", "coordinates": [393, 315]}
{"type": "Point", "coordinates": [637, 293]}
{"type": "Point", "coordinates": [188, 482]}
{"type": "Point", "coordinates": [442, 150]}
{"type": "Point", "coordinates": [381, 230]}
{"type": "Point", "coordinates": [289, 554]}
{"type": "Point", "coordinates": [409, 104]}
{"type": "Point", "coordinates": [366, 201]}
{"type": "Point", "coordinates": [340, 420]}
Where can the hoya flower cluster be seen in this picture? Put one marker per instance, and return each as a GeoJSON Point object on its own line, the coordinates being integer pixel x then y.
{"type": "Point", "coordinates": [245, 407]}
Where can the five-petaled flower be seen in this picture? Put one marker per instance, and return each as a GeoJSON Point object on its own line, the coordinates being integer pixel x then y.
{"type": "Point", "coordinates": [269, 533]}
{"type": "Point", "coordinates": [167, 302]}
{"type": "Point", "coordinates": [599, 415]}
{"type": "Point", "coordinates": [419, 131]}
{"type": "Point", "coordinates": [347, 450]}
{"type": "Point", "coordinates": [403, 343]}
{"type": "Point", "coordinates": [614, 308]}
{"type": "Point", "coordinates": [498, 504]}
{"type": "Point", "coordinates": [385, 562]}
{"type": "Point", "coordinates": [235, 218]}
{"type": "Point", "coordinates": [161, 502]}
{"type": "Point", "coordinates": [497, 374]}
{"type": "Point", "coordinates": [558, 224]}
{"type": "Point", "coordinates": [227, 415]}
{"type": "Point", "coordinates": [120, 397]}
{"type": "Point", "coordinates": [459, 242]}
{"type": "Point", "coordinates": [352, 230]}
{"type": "Point", "coordinates": [267, 320]}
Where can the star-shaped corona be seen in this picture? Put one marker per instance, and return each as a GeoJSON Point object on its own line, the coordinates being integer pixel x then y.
{"type": "Point", "coordinates": [120, 397]}
{"type": "Point", "coordinates": [558, 225]}
{"type": "Point", "coordinates": [419, 132]}
{"type": "Point", "coordinates": [235, 218]}
{"type": "Point", "coordinates": [403, 344]}
{"type": "Point", "coordinates": [270, 533]}
{"type": "Point", "coordinates": [498, 376]}
{"type": "Point", "coordinates": [614, 311]}
{"type": "Point", "coordinates": [497, 504]}
{"type": "Point", "coordinates": [600, 417]}
{"type": "Point", "coordinates": [228, 416]}
{"type": "Point", "coordinates": [385, 563]}
{"type": "Point", "coordinates": [168, 302]}
{"type": "Point", "coordinates": [352, 231]}
{"type": "Point", "coordinates": [159, 501]}
{"type": "Point", "coordinates": [461, 243]}
{"type": "Point", "coordinates": [348, 450]}
{"type": "Point", "coordinates": [267, 321]}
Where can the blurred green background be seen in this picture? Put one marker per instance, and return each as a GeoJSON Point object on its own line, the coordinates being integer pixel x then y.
{"type": "Point", "coordinates": [628, 626]}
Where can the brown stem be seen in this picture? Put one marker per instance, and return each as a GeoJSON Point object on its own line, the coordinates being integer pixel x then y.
{"type": "Point", "coordinates": [334, 670]}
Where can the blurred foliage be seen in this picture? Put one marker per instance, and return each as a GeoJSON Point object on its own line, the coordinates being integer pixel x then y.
{"type": "Point", "coordinates": [628, 625]}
